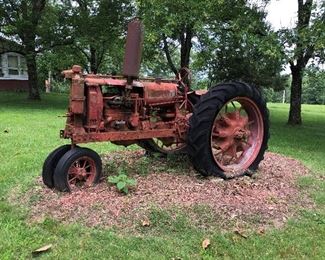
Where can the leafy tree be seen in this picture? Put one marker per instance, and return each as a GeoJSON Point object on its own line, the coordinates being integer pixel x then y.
{"type": "Point", "coordinates": [22, 19]}
{"type": "Point", "coordinates": [98, 28]}
{"type": "Point", "coordinates": [56, 60]}
{"type": "Point", "coordinates": [303, 43]}
{"type": "Point", "coordinates": [238, 44]}
{"type": "Point", "coordinates": [37, 25]}
{"type": "Point", "coordinates": [224, 39]}
{"type": "Point", "coordinates": [172, 24]}
{"type": "Point", "coordinates": [313, 89]}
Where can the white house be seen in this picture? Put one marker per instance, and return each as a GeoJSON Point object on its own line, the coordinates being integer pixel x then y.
{"type": "Point", "coordinates": [13, 69]}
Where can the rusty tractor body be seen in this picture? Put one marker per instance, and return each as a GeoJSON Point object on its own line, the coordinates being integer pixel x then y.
{"type": "Point", "coordinates": [224, 130]}
{"type": "Point", "coordinates": [108, 108]}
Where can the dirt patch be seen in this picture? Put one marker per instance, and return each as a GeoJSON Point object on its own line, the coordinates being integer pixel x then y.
{"type": "Point", "coordinates": [267, 199]}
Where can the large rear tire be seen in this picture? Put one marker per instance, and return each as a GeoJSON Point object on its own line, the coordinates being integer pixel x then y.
{"type": "Point", "coordinates": [228, 131]}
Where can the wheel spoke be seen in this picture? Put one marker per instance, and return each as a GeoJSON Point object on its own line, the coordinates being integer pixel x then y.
{"type": "Point", "coordinates": [247, 143]}
{"type": "Point", "coordinates": [232, 150]}
{"type": "Point", "coordinates": [238, 158]}
{"type": "Point", "coordinates": [73, 180]}
{"type": "Point", "coordinates": [217, 152]}
{"type": "Point", "coordinates": [84, 165]}
{"type": "Point", "coordinates": [245, 120]}
{"type": "Point", "coordinates": [224, 146]}
{"type": "Point", "coordinates": [237, 114]}
{"type": "Point", "coordinates": [222, 159]}
{"type": "Point", "coordinates": [225, 118]}
{"type": "Point", "coordinates": [222, 133]}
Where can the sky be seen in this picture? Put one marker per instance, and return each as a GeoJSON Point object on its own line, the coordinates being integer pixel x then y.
{"type": "Point", "coordinates": [282, 13]}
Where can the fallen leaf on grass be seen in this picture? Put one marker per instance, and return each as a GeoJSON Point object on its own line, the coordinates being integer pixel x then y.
{"type": "Point", "coordinates": [261, 231]}
{"type": "Point", "coordinates": [42, 249]}
{"type": "Point", "coordinates": [206, 243]}
{"type": "Point", "coordinates": [240, 233]}
{"type": "Point", "coordinates": [145, 223]}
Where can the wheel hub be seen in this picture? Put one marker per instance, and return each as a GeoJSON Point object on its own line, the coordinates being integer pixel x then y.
{"type": "Point", "coordinates": [233, 136]}
{"type": "Point", "coordinates": [83, 171]}
{"type": "Point", "coordinates": [240, 134]}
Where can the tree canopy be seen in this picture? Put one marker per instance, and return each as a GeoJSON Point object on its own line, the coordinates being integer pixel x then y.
{"type": "Point", "coordinates": [218, 40]}
{"type": "Point", "coordinates": [98, 28]}
{"type": "Point", "coordinates": [226, 40]}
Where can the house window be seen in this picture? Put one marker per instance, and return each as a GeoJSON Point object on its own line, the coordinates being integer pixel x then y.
{"type": "Point", "coordinates": [13, 66]}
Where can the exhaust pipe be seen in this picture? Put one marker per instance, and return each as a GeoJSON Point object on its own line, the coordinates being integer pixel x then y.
{"type": "Point", "coordinates": [133, 50]}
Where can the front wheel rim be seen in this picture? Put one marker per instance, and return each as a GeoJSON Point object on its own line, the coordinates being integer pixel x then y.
{"type": "Point", "coordinates": [82, 172]}
{"type": "Point", "coordinates": [237, 135]}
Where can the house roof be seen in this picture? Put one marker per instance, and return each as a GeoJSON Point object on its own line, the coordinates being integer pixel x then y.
{"type": "Point", "coordinates": [8, 45]}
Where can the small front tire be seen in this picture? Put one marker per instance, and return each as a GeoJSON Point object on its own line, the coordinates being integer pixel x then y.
{"type": "Point", "coordinates": [79, 167]}
{"type": "Point", "coordinates": [50, 164]}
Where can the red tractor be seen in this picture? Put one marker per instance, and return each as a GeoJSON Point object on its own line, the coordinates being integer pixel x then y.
{"type": "Point", "coordinates": [223, 130]}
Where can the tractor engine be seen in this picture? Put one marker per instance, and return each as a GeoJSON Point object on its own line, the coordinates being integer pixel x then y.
{"type": "Point", "coordinates": [109, 104]}
{"type": "Point", "coordinates": [143, 106]}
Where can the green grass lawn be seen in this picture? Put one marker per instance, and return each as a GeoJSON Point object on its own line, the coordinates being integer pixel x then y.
{"type": "Point", "coordinates": [29, 131]}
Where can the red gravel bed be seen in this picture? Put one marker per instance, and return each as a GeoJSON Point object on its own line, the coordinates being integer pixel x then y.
{"type": "Point", "coordinates": [269, 198]}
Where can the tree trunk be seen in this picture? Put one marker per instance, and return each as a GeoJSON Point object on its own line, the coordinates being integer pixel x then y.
{"type": "Point", "coordinates": [186, 46]}
{"type": "Point", "coordinates": [295, 100]}
{"type": "Point", "coordinates": [93, 60]}
{"type": "Point", "coordinates": [303, 53]}
{"type": "Point", "coordinates": [168, 56]}
{"type": "Point", "coordinates": [32, 76]}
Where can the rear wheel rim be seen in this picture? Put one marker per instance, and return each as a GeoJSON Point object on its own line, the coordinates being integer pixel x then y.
{"type": "Point", "coordinates": [82, 172]}
{"type": "Point", "coordinates": [237, 135]}
{"type": "Point", "coordinates": [169, 145]}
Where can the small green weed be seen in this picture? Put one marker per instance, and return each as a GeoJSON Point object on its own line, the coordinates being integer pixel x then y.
{"type": "Point", "coordinates": [122, 181]}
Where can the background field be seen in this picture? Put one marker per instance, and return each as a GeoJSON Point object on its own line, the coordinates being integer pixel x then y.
{"type": "Point", "coordinates": [29, 131]}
